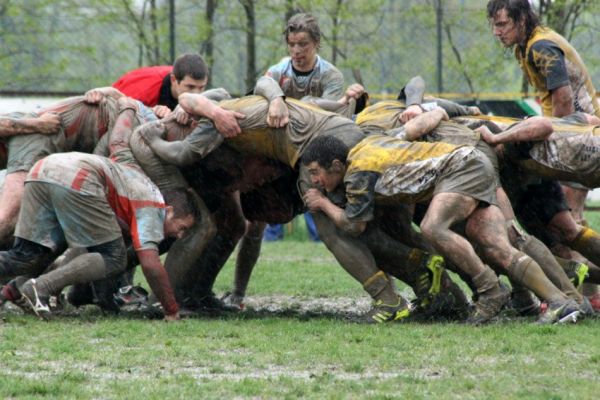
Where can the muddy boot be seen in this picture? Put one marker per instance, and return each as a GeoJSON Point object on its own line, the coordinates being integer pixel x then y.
{"type": "Point", "coordinates": [567, 311]}
{"type": "Point", "coordinates": [577, 272]}
{"type": "Point", "coordinates": [437, 295]}
{"type": "Point", "coordinates": [387, 305]}
{"type": "Point", "coordinates": [523, 302]}
{"type": "Point", "coordinates": [491, 297]}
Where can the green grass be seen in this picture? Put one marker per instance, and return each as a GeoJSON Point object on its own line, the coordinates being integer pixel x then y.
{"type": "Point", "coordinates": [287, 355]}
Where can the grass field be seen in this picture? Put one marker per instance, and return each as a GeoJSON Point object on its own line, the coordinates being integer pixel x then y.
{"type": "Point", "coordinates": [296, 343]}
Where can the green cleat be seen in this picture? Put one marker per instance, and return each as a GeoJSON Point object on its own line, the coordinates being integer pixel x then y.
{"type": "Point", "coordinates": [429, 284]}
{"type": "Point", "coordinates": [381, 312]}
{"type": "Point", "coordinates": [577, 272]}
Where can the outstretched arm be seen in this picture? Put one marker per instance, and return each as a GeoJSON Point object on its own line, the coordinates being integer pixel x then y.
{"type": "Point", "coordinates": [278, 115]}
{"type": "Point", "coordinates": [121, 132]}
{"type": "Point", "coordinates": [424, 123]}
{"type": "Point", "coordinates": [159, 282]}
{"type": "Point", "coordinates": [531, 130]}
{"type": "Point", "coordinates": [46, 124]}
{"type": "Point", "coordinates": [226, 121]}
{"type": "Point", "coordinates": [193, 148]}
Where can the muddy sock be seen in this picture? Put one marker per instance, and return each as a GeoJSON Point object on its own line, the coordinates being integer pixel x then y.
{"type": "Point", "coordinates": [486, 281]}
{"type": "Point", "coordinates": [84, 268]}
{"type": "Point", "coordinates": [381, 288]}
{"type": "Point", "coordinates": [524, 270]}
{"type": "Point", "coordinates": [587, 243]}
{"type": "Point", "coordinates": [546, 260]}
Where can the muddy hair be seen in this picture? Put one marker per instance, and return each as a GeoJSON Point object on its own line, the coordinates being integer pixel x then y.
{"type": "Point", "coordinates": [183, 203]}
{"type": "Point", "coordinates": [325, 149]}
{"type": "Point", "coordinates": [192, 65]}
{"type": "Point", "coordinates": [303, 22]}
{"type": "Point", "coordinates": [516, 10]}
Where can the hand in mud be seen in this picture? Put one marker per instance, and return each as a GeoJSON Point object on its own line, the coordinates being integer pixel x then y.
{"type": "Point", "coordinates": [93, 96]}
{"type": "Point", "coordinates": [410, 113]}
{"type": "Point", "coordinates": [48, 123]}
{"type": "Point", "coordinates": [486, 135]}
{"type": "Point", "coordinates": [279, 115]}
{"type": "Point", "coordinates": [161, 111]}
{"type": "Point", "coordinates": [312, 198]}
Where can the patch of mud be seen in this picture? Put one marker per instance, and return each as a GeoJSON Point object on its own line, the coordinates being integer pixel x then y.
{"type": "Point", "coordinates": [225, 373]}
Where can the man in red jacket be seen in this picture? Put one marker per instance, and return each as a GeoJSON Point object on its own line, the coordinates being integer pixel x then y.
{"type": "Point", "coordinates": [160, 86]}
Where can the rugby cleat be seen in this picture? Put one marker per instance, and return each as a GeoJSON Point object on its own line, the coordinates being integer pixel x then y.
{"type": "Point", "coordinates": [34, 302]}
{"type": "Point", "coordinates": [381, 312]}
{"type": "Point", "coordinates": [429, 284]}
{"type": "Point", "coordinates": [233, 300]}
{"type": "Point", "coordinates": [577, 272]}
{"type": "Point", "coordinates": [567, 311]}
{"type": "Point", "coordinates": [524, 303]}
{"type": "Point", "coordinates": [488, 305]}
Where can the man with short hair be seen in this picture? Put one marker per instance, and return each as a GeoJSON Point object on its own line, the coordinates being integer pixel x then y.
{"type": "Point", "coordinates": [455, 178]}
{"type": "Point", "coordinates": [88, 201]}
{"type": "Point", "coordinates": [159, 86]}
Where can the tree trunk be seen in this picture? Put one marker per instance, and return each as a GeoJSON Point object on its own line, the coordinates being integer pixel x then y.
{"type": "Point", "coordinates": [250, 43]}
{"type": "Point", "coordinates": [155, 38]}
{"type": "Point", "coordinates": [335, 18]}
{"type": "Point", "coordinates": [207, 47]}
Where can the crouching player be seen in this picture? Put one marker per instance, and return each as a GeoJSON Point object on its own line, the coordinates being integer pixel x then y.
{"type": "Point", "coordinates": [457, 179]}
{"type": "Point", "coordinates": [83, 200]}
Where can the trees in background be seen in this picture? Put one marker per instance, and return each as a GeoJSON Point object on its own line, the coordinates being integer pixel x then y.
{"type": "Point", "coordinates": [71, 45]}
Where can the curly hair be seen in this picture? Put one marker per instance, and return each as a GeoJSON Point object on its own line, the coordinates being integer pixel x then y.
{"type": "Point", "coordinates": [516, 10]}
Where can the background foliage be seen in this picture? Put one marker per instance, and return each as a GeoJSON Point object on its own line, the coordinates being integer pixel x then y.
{"type": "Point", "coordinates": [73, 45]}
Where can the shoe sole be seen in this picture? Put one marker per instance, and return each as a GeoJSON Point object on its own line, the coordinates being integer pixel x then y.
{"type": "Point", "coordinates": [571, 318]}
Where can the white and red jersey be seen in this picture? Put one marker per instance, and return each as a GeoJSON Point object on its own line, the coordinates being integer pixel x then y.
{"type": "Point", "coordinates": [137, 203]}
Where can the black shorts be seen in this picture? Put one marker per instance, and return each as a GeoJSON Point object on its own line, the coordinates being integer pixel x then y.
{"type": "Point", "coordinates": [535, 207]}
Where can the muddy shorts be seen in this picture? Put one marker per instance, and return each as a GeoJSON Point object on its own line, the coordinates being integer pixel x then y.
{"type": "Point", "coordinates": [52, 215]}
{"type": "Point", "coordinates": [26, 150]}
{"type": "Point", "coordinates": [474, 178]}
{"type": "Point", "coordinates": [535, 205]}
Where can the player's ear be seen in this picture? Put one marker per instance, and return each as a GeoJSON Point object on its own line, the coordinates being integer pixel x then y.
{"type": "Point", "coordinates": [337, 166]}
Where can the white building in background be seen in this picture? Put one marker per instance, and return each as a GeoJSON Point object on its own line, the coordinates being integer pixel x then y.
{"type": "Point", "coordinates": [26, 104]}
